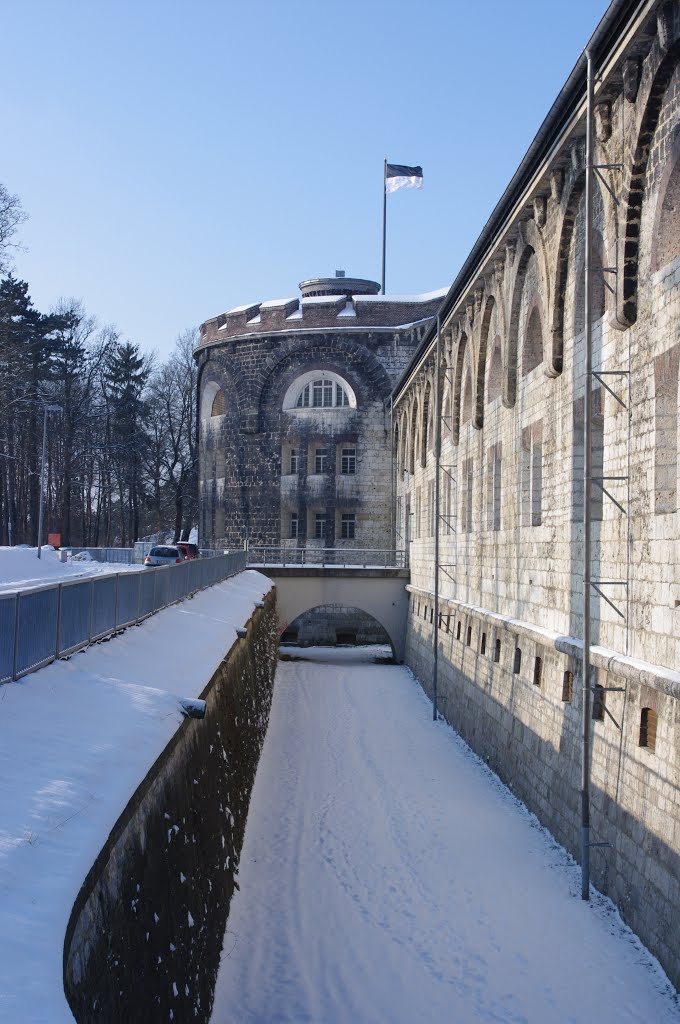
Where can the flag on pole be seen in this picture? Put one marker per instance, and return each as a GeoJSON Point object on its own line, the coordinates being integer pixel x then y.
{"type": "Point", "coordinates": [400, 176]}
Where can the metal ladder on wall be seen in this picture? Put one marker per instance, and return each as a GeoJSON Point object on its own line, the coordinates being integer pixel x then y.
{"type": "Point", "coordinates": [614, 592]}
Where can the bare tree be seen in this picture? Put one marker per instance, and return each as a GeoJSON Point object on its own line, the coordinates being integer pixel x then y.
{"type": "Point", "coordinates": [11, 216]}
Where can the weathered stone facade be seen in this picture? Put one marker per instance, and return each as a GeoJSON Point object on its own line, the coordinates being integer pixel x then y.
{"type": "Point", "coordinates": [511, 483]}
{"type": "Point", "coordinates": [279, 469]}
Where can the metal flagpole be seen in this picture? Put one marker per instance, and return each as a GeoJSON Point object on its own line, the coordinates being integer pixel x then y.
{"type": "Point", "coordinates": [437, 468]}
{"type": "Point", "coordinates": [393, 533]}
{"type": "Point", "coordinates": [384, 223]}
{"type": "Point", "coordinates": [587, 487]}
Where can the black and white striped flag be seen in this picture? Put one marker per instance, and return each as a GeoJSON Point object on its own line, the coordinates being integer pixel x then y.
{"type": "Point", "coordinates": [400, 176]}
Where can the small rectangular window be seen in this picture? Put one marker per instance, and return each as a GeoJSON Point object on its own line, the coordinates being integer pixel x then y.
{"type": "Point", "coordinates": [538, 670]}
{"type": "Point", "coordinates": [567, 687]}
{"type": "Point", "coordinates": [294, 525]}
{"type": "Point", "coordinates": [294, 460]}
{"type": "Point", "coordinates": [648, 728]}
{"type": "Point", "coordinates": [483, 644]}
{"type": "Point", "coordinates": [348, 461]}
{"type": "Point", "coordinates": [320, 460]}
{"type": "Point", "coordinates": [458, 630]}
{"type": "Point", "coordinates": [598, 703]}
{"type": "Point", "coordinates": [319, 525]}
{"type": "Point", "coordinates": [469, 636]}
{"type": "Point", "coordinates": [497, 651]}
{"type": "Point", "coordinates": [348, 526]}
{"type": "Point", "coordinates": [517, 664]}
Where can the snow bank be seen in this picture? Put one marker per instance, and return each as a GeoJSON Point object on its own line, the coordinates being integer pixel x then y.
{"type": "Point", "coordinates": [76, 738]}
{"type": "Point", "coordinates": [21, 567]}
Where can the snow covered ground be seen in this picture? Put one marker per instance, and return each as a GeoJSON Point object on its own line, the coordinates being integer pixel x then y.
{"type": "Point", "coordinates": [388, 876]}
{"type": "Point", "coordinates": [21, 568]}
{"type": "Point", "coordinates": [76, 738]}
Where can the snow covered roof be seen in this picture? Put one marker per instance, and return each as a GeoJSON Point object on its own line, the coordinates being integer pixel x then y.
{"type": "Point", "coordinates": [424, 297]}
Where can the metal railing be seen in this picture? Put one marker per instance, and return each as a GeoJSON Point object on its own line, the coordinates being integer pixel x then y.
{"type": "Point", "coordinates": [364, 558]}
{"type": "Point", "coordinates": [44, 623]}
{"type": "Point", "coordinates": [121, 556]}
{"type": "Point", "coordinates": [128, 556]}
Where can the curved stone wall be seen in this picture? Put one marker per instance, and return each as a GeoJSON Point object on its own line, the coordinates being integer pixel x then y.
{"type": "Point", "coordinates": [145, 935]}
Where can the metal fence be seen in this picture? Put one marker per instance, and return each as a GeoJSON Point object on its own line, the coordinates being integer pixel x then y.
{"type": "Point", "coordinates": [44, 623]}
{"type": "Point", "coordinates": [129, 556]}
{"type": "Point", "coordinates": [121, 556]}
{"type": "Point", "coordinates": [365, 558]}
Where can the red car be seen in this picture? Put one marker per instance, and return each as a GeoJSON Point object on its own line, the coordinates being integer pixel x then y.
{"type": "Point", "coordinates": [188, 550]}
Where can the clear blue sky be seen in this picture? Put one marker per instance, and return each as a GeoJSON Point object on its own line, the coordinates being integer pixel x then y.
{"type": "Point", "coordinates": [179, 158]}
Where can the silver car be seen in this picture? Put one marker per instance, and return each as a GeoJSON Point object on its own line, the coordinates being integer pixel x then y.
{"type": "Point", "coordinates": [164, 554]}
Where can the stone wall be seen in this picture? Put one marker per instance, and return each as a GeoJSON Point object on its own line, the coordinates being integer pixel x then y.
{"type": "Point", "coordinates": [145, 935]}
{"type": "Point", "coordinates": [514, 692]}
{"type": "Point", "coordinates": [511, 529]}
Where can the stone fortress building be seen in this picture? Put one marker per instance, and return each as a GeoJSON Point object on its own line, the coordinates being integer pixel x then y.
{"type": "Point", "coordinates": [509, 617]}
{"type": "Point", "coordinates": [295, 419]}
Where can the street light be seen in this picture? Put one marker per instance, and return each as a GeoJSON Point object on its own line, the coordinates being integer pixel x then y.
{"type": "Point", "coordinates": [46, 409]}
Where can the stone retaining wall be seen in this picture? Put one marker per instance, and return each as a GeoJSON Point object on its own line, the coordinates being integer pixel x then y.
{"type": "Point", "coordinates": [527, 727]}
{"type": "Point", "coordinates": [145, 935]}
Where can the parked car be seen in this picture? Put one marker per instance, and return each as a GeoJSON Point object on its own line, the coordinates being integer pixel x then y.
{"type": "Point", "coordinates": [188, 550]}
{"type": "Point", "coordinates": [164, 554]}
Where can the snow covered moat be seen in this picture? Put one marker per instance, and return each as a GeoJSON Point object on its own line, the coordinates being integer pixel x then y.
{"type": "Point", "coordinates": [388, 876]}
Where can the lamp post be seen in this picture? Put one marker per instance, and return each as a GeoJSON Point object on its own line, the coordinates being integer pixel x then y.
{"type": "Point", "coordinates": [46, 409]}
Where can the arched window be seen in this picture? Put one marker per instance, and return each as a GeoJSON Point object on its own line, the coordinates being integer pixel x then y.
{"type": "Point", "coordinates": [319, 390]}
{"type": "Point", "coordinates": [218, 406]}
{"type": "Point", "coordinates": [212, 401]}
{"type": "Point", "coordinates": [322, 394]}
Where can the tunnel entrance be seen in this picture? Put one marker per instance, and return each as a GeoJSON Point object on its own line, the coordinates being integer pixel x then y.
{"type": "Point", "coordinates": [334, 625]}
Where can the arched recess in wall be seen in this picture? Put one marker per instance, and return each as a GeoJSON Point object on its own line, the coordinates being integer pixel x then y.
{"type": "Point", "coordinates": [404, 443]}
{"type": "Point", "coordinates": [425, 424]}
{"type": "Point", "coordinates": [213, 402]}
{"type": "Point", "coordinates": [666, 236]}
{"type": "Point", "coordinates": [446, 400]}
{"type": "Point", "coordinates": [457, 388]}
{"type": "Point", "coordinates": [513, 332]}
{"type": "Point", "coordinates": [494, 387]}
{"type": "Point", "coordinates": [562, 272]}
{"type": "Point", "coordinates": [629, 266]}
{"type": "Point", "coordinates": [598, 301]}
{"type": "Point", "coordinates": [466, 406]}
{"type": "Point", "coordinates": [532, 342]}
{"type": "Point", "coordinates": [396, 449]}
{"type": "Point", "coordinates": [482, 360]}
{"type": "Point", "coordinates": [413, 434]}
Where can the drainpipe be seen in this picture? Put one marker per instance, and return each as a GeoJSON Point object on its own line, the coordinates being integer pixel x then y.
{"type": "Point", "coordinates": [437, 468]}
{"type": "Point", "coordinates": [587, 487]}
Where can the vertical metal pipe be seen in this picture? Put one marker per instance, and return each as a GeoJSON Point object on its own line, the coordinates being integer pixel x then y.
{"type": "Point", "coordinates": [393, 534]}
{"type": "Point", "coordinates": [437, 475]}
{"type": "Point", "coordinates": [42, 483]}
{"type": "Point", "coordinates": [587, 486]}
{"type": "Point", "coordinates": [384, 233]}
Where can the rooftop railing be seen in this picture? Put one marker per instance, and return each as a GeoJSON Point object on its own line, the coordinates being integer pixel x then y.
{"type": "Point", "coordinates": [346, 558]}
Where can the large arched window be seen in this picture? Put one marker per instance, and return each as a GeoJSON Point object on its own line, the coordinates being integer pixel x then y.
{"type": "Point", "coordinates": [319, 390]}
{"type": "Point", "coordinates": [322, 394]}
